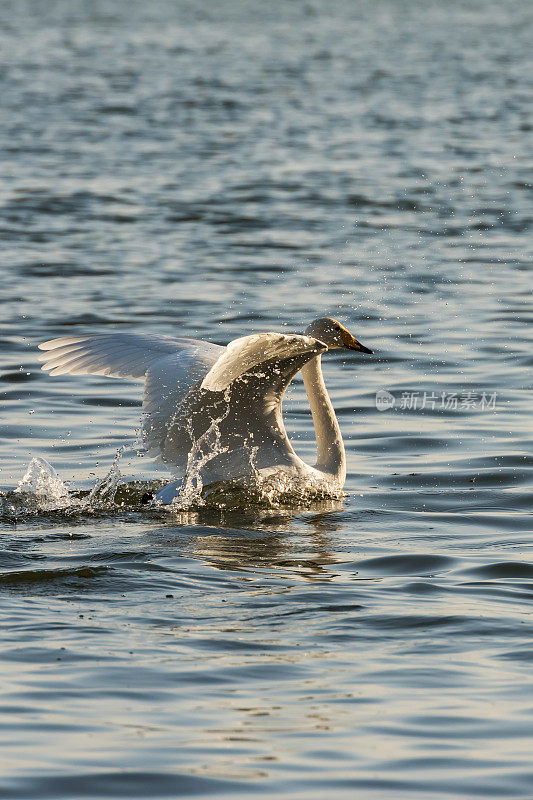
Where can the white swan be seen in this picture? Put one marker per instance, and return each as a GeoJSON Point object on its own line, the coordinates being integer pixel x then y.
{"type": "Point", "coordinates": [220, 407]}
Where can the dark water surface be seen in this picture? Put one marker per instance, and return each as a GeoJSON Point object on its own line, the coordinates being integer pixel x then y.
{"type": "Point", "coordinates": [214, 170]}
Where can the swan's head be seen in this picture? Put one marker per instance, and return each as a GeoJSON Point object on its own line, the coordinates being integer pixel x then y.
{"type": "Point", "coordinates": [335, 335]}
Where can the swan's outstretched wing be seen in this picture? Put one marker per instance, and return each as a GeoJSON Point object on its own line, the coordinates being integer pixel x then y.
{"type": "Point", "coordinates": [236, 408]}
{"type": "Point", "coordinates": [168, 380]}
{"type": "Point", "coordinates": [195, 390]}
{"type": "Point", "coordinates": [243, 356]}
{"type": "Point", "coordinates": [171, 366]}
{"type": "Point", "coordinates": [117, 355]}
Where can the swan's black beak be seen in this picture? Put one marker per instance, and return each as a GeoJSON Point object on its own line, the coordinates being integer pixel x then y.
{"type": "Point", "coordinates": [350, 343]}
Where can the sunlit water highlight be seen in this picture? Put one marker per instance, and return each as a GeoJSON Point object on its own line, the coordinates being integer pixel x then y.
{"type": "Point", "coordinates": [214, 170]}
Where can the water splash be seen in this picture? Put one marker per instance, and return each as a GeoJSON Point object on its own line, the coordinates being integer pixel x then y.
{"type": "Point", "coordinates": [104, 491]}
{"type": "Point", "coordinates": [266, 488]}
{"type": "Point", "coordinates": [42, 490]}
{"type": "Point", "coordinates": [275, 490]}
{"type": "Point", "coordinates": [42, 485]}
{"type": "Point", "coordinates": [203, 450]}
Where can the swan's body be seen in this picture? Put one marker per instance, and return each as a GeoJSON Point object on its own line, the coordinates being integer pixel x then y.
{"type": "Point", "coordinates": [219, 408]}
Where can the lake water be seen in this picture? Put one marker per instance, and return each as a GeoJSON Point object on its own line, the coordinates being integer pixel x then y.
{"type": "Point", "coordinates": [213, 170]}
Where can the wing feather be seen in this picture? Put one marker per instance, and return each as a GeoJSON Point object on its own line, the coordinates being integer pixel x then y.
{"type": "Point", "coordinates": [190, 383]}
{"type": "Point", "coordinates": [117, 355]}
{"type": "Point", "coordinates": [170, 367]}
{"type": "Point", "coordinates": [168, 381]}
{"type": "Point", "coordinates": [249, 352]}
{"type": "Point", "coordinates": [237, 404]}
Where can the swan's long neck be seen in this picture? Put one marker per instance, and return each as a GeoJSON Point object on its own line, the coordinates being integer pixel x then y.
{"type": "Point", "coordinates": [331, 456]}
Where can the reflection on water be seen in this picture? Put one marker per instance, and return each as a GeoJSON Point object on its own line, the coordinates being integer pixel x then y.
{"type": "Point", "coordinates": [266, 548]}
{"type": "Point", "coordinates": [214, 170]}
